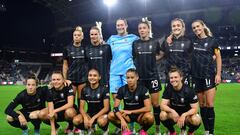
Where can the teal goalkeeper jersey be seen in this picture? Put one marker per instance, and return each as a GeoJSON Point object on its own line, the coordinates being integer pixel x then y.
{"type": "Point", "coordinates": [121, 53]}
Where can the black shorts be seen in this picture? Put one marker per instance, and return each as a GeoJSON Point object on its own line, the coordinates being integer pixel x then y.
{"type": "Point", "coordinates": [25, 114]}
{"type": "Point", "coordinates": [133, 117]}
{"type": "Point", "coordinates": [152, 85]}
{"type": "Point", "coordinates": [61, 114]}
{"type": "Point", "coordinates": [200, 85]}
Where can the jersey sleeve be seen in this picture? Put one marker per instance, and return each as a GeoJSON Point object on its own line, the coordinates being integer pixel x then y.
{"type": "Point", "coordinates": [70, 90]}
{"type": "Point", "coordinates": [65, 54]}
{"type": "Point", "coordinates": [133, 50]}
{"type": "Point", "coordinates": [106, 93]}
{"type": "Point", "coordinates": [158, 47]}
{"type": "Point", "coordinates": [192, 96]}
{"type": "Point", "coordinates": [166, 93]}
{"type": "Point", "coordinates": [44, 92]}
{"type": "Point", "coordinates": [13, 104]}
{"type": "Point", "coordinates": [145, 93]}
{"type": "Point", "coordinates": [49, 95]}
{"type": "Point", "coordinates": [120, 93]}
{"type": "Point", "coordinates": [83, 94]}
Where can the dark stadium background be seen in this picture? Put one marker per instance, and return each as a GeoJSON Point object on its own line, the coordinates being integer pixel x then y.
{"type": "Point", "coordinates": [30, 30]}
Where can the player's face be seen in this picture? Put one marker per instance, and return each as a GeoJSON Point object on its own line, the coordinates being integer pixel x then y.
{"type": "Point", "coordinates": [77, 36]}
{"type": "Point", "coordinates": [93, 77]}
{"type": "Point", "coordinates": [121, 27]}
{"type": "Point", "coordinates": [94, 36]}
{"type": "Point", "coordinates": [31, 86]}
{"type": "Point", "coordinates": [57, 81]}
{"type": "Point", "coordinates": [177, 28]}
{"type": "Point", "coordinates": [143, 30]}
{"type": "Point", "coordinates": [175, 79]}
{"type": "Point", "coordinates": [198, 28]}
{"type": "Point", "coordinates": [132, 79]}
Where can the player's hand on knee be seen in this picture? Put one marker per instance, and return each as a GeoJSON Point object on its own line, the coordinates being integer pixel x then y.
{"type": "Point", "coordinates": [181, 121]}
{"type": "Point", "coordinates": [22, 120]}
{"type": "Point", "coordinates": [127, 112]}
{"type": "Point", "coordinates": [175, 116]}
{"type": "Point", "coordinates": [124, 125]}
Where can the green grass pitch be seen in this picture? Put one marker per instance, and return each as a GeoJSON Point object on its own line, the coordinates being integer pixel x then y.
{"type": "Point", "coordinates": [227, 108]}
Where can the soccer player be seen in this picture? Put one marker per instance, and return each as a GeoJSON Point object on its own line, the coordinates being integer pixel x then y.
{"type": "Point", "coordinates": [179, 104]}
{"type": "Point", "coordinates": [121, 45]}
{"type": "Point", "coordinates": [97, 98]}
{"type": "Point", "coordinates": [60, 103]}
{"type": "Point", "coordinates": [32, 99]}
{"type": "Point", "coordinates": [99, 55]}
{"type": "Point", "coordinates": [144, 53]}
{"type": "Point", "coordinates": [137, 105]}
{"type": "Point", "coordinates": [75, 65]}
{"type": "Point", "coordinates": [206, 75]}
{"type": "Point", "coordinates": [178, 51]}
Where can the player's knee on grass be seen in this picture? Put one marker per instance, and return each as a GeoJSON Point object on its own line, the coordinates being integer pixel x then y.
{"type": "Point", "coordinates": [163, 116]}
{"type": "Point", "coordinates": [78, 120]}
{"type": "Point", "coordinates": [34, 114]}
{"type": "Point", "coordinates": [102, 121]}
{"type": "Point", "coordinates": [43, 114]}
{"type": "Point", "coordinates": [70, 113]}
{"type": "Point", "coordinates": [9, 118]}
{"type": "Point", "coordinates": [195, 120]}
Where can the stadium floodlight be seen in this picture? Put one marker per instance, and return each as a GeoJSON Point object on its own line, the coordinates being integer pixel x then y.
{"type": "Point", "coordinates": [110, 3]}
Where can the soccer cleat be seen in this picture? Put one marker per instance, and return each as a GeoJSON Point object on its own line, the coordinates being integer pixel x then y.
{"type": "Point", "coordinates": [126, 132]}
{"type": "Point", "coordinates": [142, 132]}
{"type": "Point", "coordinates": [206, 133]}
{"type": "Point", "coordinates": [71, 133]}
{"type": "Point", "coordinates": [25, 132]}
{"type": "Point", "coordinates": [36, 132]}
{"type": "Point", "coordinates": [183, 132]}
{"type": "Point", "coordinates": [81, 132]}
{"type": "Point", "coordinates": [76, 131]}
{"type": "Point", "coordinates": [190, 133]}
{"type": "Point", "coordinates": [67, 130]}
{"type": "Point", "coordinates": [106, 132]}
{"type": "Point", "coordinates": [173, 133]}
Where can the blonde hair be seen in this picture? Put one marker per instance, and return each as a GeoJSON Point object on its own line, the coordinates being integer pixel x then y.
{"type": "Point", "coordinates": [183, 25]}
{"type": "Point", "coordinates": [206, 29]}
{"type": "Point", "coordinates": [79, 28]}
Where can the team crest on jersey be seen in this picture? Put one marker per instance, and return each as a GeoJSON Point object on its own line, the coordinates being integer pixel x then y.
{"type": "Point", "coordinates": [82, 51]}
{"type": "Point", "coordinates": [62, 95]}
{"type": "Point", "coordinates": [205, 45]}
{"type": "Point", "coordinates": [150, 47]}
{"type": "Point", "coordinates": [98, 95]}
{"type": "Point", "coordinates": [136, 98]}
{"type": "Point", "coordinates": [182, 45]}
{"type": "Point", "coordinates": [182, 100]}
{"type": "Point", "coordinates": [38, 100]}
{"type": "Point", "coordinates": [100, 52]}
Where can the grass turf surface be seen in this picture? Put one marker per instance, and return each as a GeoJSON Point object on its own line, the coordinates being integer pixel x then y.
{"type": "Point", "coordinates": [227, 108]}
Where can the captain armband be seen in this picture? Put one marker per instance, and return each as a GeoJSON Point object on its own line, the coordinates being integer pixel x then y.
{"type": "Point", "coordinates": [115, 109]}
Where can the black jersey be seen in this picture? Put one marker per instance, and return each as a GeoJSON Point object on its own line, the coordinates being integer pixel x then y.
{"type": "Point", "coordinates": [144, 56]}
{"type": "Point", "coordinates": [180, 100]}
{"type": "Point", "coordinates": [60, 97]}
{"type": "Point", "coordinates": [95, 98]}
{"type": "Point", "coordinates": [77, 63]}
{"type": "Point", "coordinates": [28, 102]}
{"type": "Point", "coordinates": [99, 57]}
{"type": "Point", "coordinates": [133, 100]}
{"type": "Point", "coordinates": [178, 54]}
{"type": "Point", "coordinates": [202, 60]}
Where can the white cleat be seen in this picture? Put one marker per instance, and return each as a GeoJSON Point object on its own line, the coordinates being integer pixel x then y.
{"type": "Point", "coordinates": [183, 132]}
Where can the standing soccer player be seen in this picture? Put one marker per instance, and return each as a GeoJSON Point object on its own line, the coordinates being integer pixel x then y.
{"type": "Point", "coordinates": [99, 55]}
{"type": "Point", "coordinates": [121, 46]}
{"type": "Point", "coordinates": [144, 53]}
{"type": "Point", "coordinates": [137, 105]}
{"type": "Point", "coordinates": [32, 100]}
{"type": "Point", "coordinates": [75, 65]}
{"type": "Point", "coordinates": [97, 98]}
{"type": "Point", "coordinates": [178, 51]}
{"type": "Point", "coordinates": [204, 76]}
{"type": "Point", "coordinates": [179, 104]}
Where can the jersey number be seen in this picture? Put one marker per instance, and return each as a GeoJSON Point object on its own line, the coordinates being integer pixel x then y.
{"type": "Point", "coordinates": [154, 83]}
